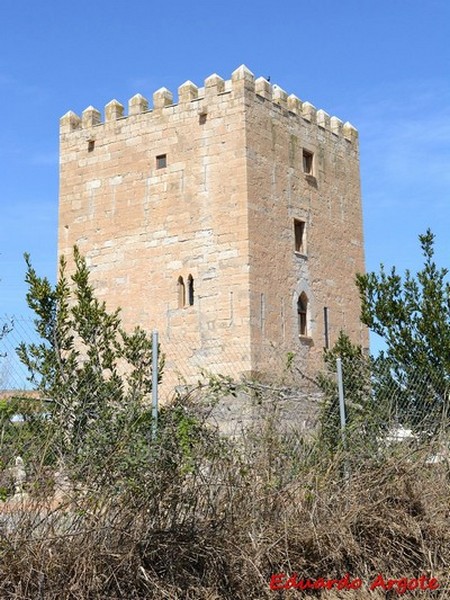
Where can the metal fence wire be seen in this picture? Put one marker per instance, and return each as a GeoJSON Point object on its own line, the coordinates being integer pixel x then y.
{"type": "Point", "coordinates": [361, 405]}
{"type": "Point", "coordinates": [108, 470]}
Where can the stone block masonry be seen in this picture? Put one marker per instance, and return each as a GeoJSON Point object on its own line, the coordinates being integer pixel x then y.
{"type": "Point", "coordinates": [227, 220]}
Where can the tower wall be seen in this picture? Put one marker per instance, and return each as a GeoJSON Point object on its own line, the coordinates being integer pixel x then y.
{"type": "Point", "coordinates": [209, 187]}
{"type": "Point", "coordinates": [280, 129]}
{"type": "Point", "coordinates": [142, 227]}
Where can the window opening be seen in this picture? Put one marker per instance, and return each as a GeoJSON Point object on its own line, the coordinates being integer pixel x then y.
{"type": "Point", "coordinates": [190, 281]}
{"type": "Point", "coordinates": [181, 292]}
{"type": "Point", "coordinates": [91, 145]}
{"type": "Point", "coordinates": [302, 310]}
{"type": "Point", "coordinates": [161, 161]}
{"type": "Point", "coordinates": [299, 229]}
{"type": "Point", "coordinates": [308, 162]}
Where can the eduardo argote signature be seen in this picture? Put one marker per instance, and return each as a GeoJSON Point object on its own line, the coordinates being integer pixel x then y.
{"type": "Point", "coordinates": [281, 581]}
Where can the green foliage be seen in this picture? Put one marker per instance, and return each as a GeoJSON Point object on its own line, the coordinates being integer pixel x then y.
{"type": "Point", "coordinates": [96, 380]}
{"type": "Point", "coordinates": [363, 411]}
{"type": "Point", "coordinates": [412, 315]}
{"type": "Point", "coordinates": [289, 360]}
{"type": "Point", "coordinates": [24, 427]}
{"type": "Point", "coordinates": [95, 377]}
{"type": "Point", "coordinates": [5, 328]}
{"type": "Point", "coordinates": [183, 437]}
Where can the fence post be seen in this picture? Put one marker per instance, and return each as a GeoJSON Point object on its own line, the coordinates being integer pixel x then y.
{"type": "Point", "coordinates": [341, 400]}
{"type": "Point", "coordinates": [154, 383]}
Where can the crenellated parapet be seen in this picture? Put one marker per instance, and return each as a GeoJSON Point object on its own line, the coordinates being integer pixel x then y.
{"type": "Point", "coordinates": [242, 83]}
{"type": "Point", "coordinates": [137, 105]}
{"type": "Point", "coordinates": [113, 111]}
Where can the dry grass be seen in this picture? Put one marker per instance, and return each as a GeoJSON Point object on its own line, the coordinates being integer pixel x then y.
{"type": "Point", "coordinates": [217, 524]}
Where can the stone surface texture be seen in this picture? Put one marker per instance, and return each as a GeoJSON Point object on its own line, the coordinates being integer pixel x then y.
{"type": "Point", "coordinates": [222, 211]}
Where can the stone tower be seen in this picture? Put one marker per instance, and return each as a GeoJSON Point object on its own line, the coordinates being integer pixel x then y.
{"type": "Point", "coordinates": [229, 220]}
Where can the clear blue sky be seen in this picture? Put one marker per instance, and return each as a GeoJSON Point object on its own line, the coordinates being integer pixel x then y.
{"type": "Point", "coordinates": [382, 65]}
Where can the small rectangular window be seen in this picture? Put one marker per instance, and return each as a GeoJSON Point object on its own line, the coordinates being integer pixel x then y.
{"type": "Point", "coordinates": [91, 145]}
{"type": "Point", "coordinates": [300, 241]}
{"type": "Point", "coordinates": [308, 160]}
{"type": "Point", "coordinates": [302, 312]}
{"type": "Point", "coordinates": [161, 161]}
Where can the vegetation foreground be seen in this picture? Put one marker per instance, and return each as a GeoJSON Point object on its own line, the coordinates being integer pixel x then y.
{"type": "Point", "coordinates": [99, 503]}
{"type": "Point", "coordinates": [209, 518]}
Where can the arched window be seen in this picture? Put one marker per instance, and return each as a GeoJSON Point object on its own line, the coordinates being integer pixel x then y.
{"type": "Point", "coordinates": [190, 282]}
{"type": "Point", "coordinates": [302, 311]}
{"type": "Point", "coordinates": [181, 292]}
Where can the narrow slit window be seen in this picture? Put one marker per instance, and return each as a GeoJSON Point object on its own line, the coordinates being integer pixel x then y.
{"type": "Point", "coordinates": [91, 145]}
{"type": "Point", "coordinates": [308, 160]}
{"type": "Point", "coordinates": [161, 161]}
{"type": "Point", "coordinates": [300, 240]}
{"type": "Point", "coordinates": [302, 312]}
{"type": "Point", "coordinates": [181, 292]}
{"type": "Point", "coordinates": [190, 282]}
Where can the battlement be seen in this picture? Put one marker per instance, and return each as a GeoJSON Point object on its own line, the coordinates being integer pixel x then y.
{"type": "Point", "coordinates": [242, 83]}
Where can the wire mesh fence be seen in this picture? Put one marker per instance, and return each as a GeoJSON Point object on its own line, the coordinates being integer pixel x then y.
{"type": "Point", "coordinates": [83, 469]}
{"type": "Point", "coordinates": [78, 422]}
{"type": "Point", "coordinates": [388, 410]}
{"type": "Point", "coordinates": [367, 405]}
{"type": "Point", "coordinates": [13, 331]}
